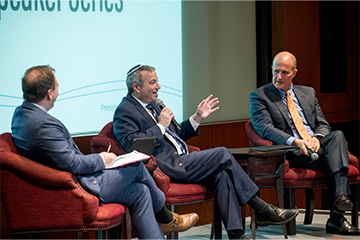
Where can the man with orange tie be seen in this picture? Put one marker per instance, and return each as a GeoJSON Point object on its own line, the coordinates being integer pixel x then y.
{"type": "Point", "coordinates": [290, 114]}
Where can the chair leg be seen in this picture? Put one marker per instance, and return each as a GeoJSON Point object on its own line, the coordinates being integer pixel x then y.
{"type": "Point", "coordinates": [280, 199]}
{"type": "Point", "coordinates": [212, 231]}
{"type": "Point", "coordinates": [101, 234]}
{"type": "Point", "coordinates": [289, 197]}
{"type": "Point", "coordinates": [310, 205]}
{"type": "Point", "coordinates": [79, 235]}
{"type": "Point", "coordinates": [253, 223]}
{"type": "Point", "coordinates": [128, 227]}
{"type": "Point", "coordinates": [116, 232]}
{"type": "Point", "coordinates": [216, 226]}
{"type": "Point", "coordinates": [355, 200]}
{"type": "Point", "coordinates": [173, 235]}
{"type": "Point", "coordinates": [36, 235]}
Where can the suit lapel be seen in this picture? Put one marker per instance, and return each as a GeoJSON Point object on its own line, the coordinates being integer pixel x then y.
{"type": "Point", "coordinates": [141, 109]}
{"type": "Point", "coordinates": [276, 97]}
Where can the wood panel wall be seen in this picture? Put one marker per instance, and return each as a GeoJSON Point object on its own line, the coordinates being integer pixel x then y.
{"type": "Point", "coordinates": [296, 28]}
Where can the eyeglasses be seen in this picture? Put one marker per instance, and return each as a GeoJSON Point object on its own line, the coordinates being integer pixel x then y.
{"type": "Point", "coordinates": [133, 69]}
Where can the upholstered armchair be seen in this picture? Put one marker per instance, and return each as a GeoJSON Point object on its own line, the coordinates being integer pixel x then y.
{"type": "Point", "coordinates": [301, 178]}
{"type": "Point", "coordinates": [37, 199]}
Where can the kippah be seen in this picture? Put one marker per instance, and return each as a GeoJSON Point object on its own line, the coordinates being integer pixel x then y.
{"type": "Point", "coordinates": [133, 69]}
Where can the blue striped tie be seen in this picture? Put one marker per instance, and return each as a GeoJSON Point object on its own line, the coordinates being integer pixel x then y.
{"type": "Point", "coordinates": [176, 137]}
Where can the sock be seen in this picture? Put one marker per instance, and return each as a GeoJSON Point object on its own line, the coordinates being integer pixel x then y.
{"type": "Point", "coordinates": [164, 216]}
{"type": "Point", "coordinates": [259, 205]}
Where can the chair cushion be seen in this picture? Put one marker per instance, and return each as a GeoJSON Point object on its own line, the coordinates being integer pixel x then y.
{"type": "Point", "coordinates": [353, 174]}
{"type": "Point", "coordinates": [302, 178]}
{"type": "Point", "coordinates": [110, 214]}
{"type": "Point", "coordinates": [353, 160]}
{"type": "Point", "coordinates": [179, 193]}
{"type": "Point", "coordinates": [187, 193]}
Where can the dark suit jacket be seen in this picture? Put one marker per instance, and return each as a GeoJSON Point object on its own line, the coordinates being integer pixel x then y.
{"type": "Point", "coordinates": [131, 121]}
{"type": "Point", "coordinates": [44, 139]}
{"type": "Point", "coordinates": [269, 115]}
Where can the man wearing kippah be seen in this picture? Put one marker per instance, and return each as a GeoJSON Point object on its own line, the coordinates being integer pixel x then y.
{"type": "Point", "coordinates": [41, 137]}
{"type": "Point", "coordinates": [137, 116]}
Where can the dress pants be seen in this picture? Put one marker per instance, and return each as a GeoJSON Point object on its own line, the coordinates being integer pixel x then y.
{"type": "Point", "coordinates": [333, 157]}
{"type": "Point", "coordinates": [218, 170]}
{"type": "Point", "coordinates": [133, 186]}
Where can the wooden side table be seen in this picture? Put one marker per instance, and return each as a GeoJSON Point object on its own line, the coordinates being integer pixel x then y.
{"type": "Point", "coordinates": [251, 159]}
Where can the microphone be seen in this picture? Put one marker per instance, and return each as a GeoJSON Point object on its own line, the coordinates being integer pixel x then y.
{"type": "Point", "coordinates": [161, 105]}
{"type": "Point", "coordinates": [314, 156]}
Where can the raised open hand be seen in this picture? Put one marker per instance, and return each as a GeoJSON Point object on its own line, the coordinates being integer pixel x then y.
{"type": "Point", "coordinates": [205, 108]}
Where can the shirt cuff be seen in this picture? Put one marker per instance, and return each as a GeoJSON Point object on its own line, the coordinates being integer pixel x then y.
{"type": "Point", "coordinates": [193, 123]}
{"type": "Point", "coordinates": [102, 159]}
{"type": "Point", "coordinates": [289, 141]}
{"type": "Point", "coordinates": [319, 136]}
{"type": "Point", "coordinates": [162, 129]}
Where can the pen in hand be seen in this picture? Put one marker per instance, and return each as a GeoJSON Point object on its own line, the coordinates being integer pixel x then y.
{"type": "Point", "coordinates": [108, 150]}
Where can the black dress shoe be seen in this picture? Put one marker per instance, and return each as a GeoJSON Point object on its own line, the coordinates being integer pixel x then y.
{"type": "Point", "coordinates": [342, 203]}
{"type": "Point", "coordinates": [276, 216]}
{"type": "Point", "coordinates": [342, 227]}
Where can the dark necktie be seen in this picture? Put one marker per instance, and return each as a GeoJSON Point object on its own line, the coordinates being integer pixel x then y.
{"type": "Point", "coordinates": [154, 113]}
{"type": "Point", "coordinates": [174, 135]}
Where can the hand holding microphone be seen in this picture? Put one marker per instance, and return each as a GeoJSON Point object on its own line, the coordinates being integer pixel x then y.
{"type": "Point", "coordinates": [305, 147]}
{"type": "Point", "coordinates": [314, 156]}
{"type": "Point", "coordinates": [315, 145]}
{"type": "Point", "coordinates": [161, 105]}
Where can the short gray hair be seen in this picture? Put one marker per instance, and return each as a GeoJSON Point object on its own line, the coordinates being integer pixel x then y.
{"type": "Point", "coordinates": [135, 77]}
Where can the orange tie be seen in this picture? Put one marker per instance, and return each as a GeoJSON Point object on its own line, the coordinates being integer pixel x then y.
{"type": "Point", "coordinates": [296, 118]}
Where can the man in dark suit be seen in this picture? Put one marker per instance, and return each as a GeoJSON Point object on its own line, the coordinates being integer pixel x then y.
{"type": "Point", "coordinates": [137, 117]}
{"type": "Point", "coordinates": [272, 119]}
{"type": "Point", "coordinates": [42, 138]}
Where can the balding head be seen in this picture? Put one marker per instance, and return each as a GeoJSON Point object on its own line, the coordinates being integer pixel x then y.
{"type": "Point", "coordinates": [284, 70]}
{"type": "Point", "coordinates": [285, 55]}
{"type": "Point", "coordinates": [36, 83]}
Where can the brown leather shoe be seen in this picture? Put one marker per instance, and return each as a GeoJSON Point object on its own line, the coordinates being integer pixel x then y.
{"type": "Point", "coordinates": [179, 223]}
